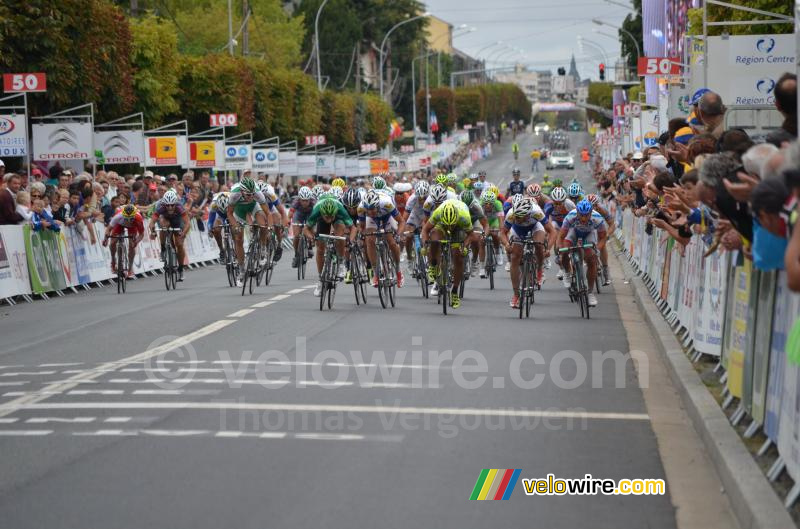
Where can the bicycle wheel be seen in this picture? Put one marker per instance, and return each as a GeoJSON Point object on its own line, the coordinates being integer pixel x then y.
{"type": "Point", "coordinates": [173, 266]}
{"type": "Point", "coordinates": [422, 275]}
{"type": "Point", "coordinates": [248, 269]}
{"type": "Point", "coordinates": [383, 293]}
{"type": "Point", "coordinates": [300, 255]}
{"type": "Point", "coordinates": [599, 277]}
{"type": "Point", "coordinates": [444, 278]}
{"type": "Point", "coordinates": [229, 260]}
{"type": "Point", "coordinates": [523, 289]}
{"type": "Point", "coordinates": [331, 294]}
{"type": "Point", "coordinates": [490, 263]}
{"type": "Point", "coordinates": [167, 273]}
{"type": "Point", "coordinates": [529, 299]}
{"type": "Point", "coordinates": [391, 282]}
{"type": "Point", "coordinates": [120, 268]}
{"type": "Point", "coordinates": [581, 284]}
{"type": "Point", "coordinates": [270, 265]}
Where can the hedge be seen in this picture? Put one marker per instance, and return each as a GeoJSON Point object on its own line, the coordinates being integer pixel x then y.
{"type": "Point", "coordinates": [491, 103]}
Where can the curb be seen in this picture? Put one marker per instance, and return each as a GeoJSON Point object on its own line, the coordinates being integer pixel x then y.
{"type": "Point", "coordinates": [753, 500]}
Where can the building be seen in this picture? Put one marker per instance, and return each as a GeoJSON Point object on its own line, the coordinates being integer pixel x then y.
{"type": "Point", "coordinates": [536, 84]}
{"type": "Point", "coordinates": [440, 35]}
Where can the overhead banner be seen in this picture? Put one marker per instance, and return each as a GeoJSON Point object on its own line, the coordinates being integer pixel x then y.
{"type": "Point", "coordinates": [206, 154]}
{"type": "Point", "coordinates": [744, 69]}
{"type": "Point", "coordinates": [237, 157]}
{"type": "Point", "coordinates": [167, 151]}
{"type": "Point", "coordinates": [13, 142]}
{"type": "Point", "coordinates": [306, 164]}
{"type": "Point", "coordinates": [119, 147]}
{"type": "Point", "coordinates": [288, 162]}
{"type": "Point", "coordinates": [266, 161]}
{"type": "Point", "coordinates": [326, 165]}
{"type": "Point", "coordinates": [62, 141]}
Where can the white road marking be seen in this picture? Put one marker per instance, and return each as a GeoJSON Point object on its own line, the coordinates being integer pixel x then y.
{"type": "Point", "coordinates": [95, 392]}
{"type": "Point", "coordinates": [229, 434]}
{"type": "Point", "coordinates": [11, 367]}
{"type": "Point", "coordinates": [287, 363]}
{"type": "Point", "coordinates": [64, 364]}
{"type": "Point", "coordinates": [106, 432]}
{"type": "Point", "coordinates": [8, 420]}
{"type": "Point", "coordinates": [27, 373]}
{"type": "Point", "coordinates": [15, 383]}
{"type": "Point", "coordinates": [10, 433]}
{"type": "Point", "coordinates": [158, 392]}
{"type": "Point", "coordinates": [334, 408]}
{"type": "Point", "coordinates": [279, 297]}
{"type": "Point", "coordinates": [38, 396]}
{"type": "Point", "coordinates": [296, 291]}
{"type": "Point", "coordinates": [330, 436]}
{"type": "Point", "coordinates": [332, 383]}
{"type": "Point", "coordinates": [118, 419]}
{"type": "Point", "coordinates": [240, 313]}
{"type": "Point", "coordinates": [262, 304]}
{"type": "Point", "coordinates": [25, 393]}
{"type": "Point", "coordinates": [386, 385]}
{"type": "Point", "coordinates": [65, 420]}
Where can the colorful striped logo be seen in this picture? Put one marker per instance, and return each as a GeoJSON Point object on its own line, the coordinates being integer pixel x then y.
{"type": "Point", "coordinates": [495, 484]}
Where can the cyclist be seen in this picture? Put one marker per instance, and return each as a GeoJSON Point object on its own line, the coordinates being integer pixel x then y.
{"type": "Point", "coordinates": [534, 191]}
{"type": "Point", "coordinates": [516, 186]}
{"type": "Point", "coordinates": [594, 201]}
{"type": "Point", "coordinates": [515, 150]}
{"type": "Point", "coordinates": [583, 223]}
{"type": "Point", "coordinates": [555, 211]}
{"type": "Point", "coordinates": [379, 185]}
{"type": "Point", "coordinates": [299, 211]}
{"type": "Point", "coordinates": [547, 186]}
{"type": "Point", "coordinates": [493, 209]}
{"type": "Point", "coordinates": [217, 216]}
{"type": "Point", "coordinates": [247, 204]}
{"type": "Point", "coordinates": [522, 220]}
{"type": "Point", "coordinates": [450, 220]}
{"type": "Point", "coordinates": [415, 215]}
{"type": "Point", "coordinates": [479, 222]}
{"type": "Point", "coordinates": [127, 218]}
{"type": "Point", "coordinates": [329, 217]}
{"type": "Point", "coordinates": [351, 200]}
{"type": "Point", "coordinates": [437, 195]}
{"type": "Point", "coordinates": [575, 192]}
{"type": "Point", "coordinates": [170, 214]}
{"type": "Point", "coordinates": [338, 182]}
{"type": "Point", "coordinates": [377, 211]}
{"type": "Point", "coordinates": [277, 212]}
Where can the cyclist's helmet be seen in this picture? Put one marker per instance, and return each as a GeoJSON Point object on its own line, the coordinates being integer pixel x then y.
{"type": "Point", "coordinates": [574, 190]}
{"type": "Point", "coordinates": [515, 171]}
{"type": "Point", "coordinates": [422, 188]}
{"type": "Point", "coordinates": [338, 182]}
{"type": "Point", "coordinates": [351, 198]}
{"type": "Point", "coordinates": [221, 200]}
{"type": "Point", "coordinates": [337, 192]}
{"type": "Point", "coordinates": [438, 193]}
{"type": "Point", "coordinates": [516, 199]}
{"type": "Point", "coordinates": [247, 185]}
{"type": "Point", "coordinates": [449, 215]}
{"type": "Point", "coordinates": [317, 190]}
{"type": "Point", "coordinates": [533, 190]}
{"type": "Point", "coordinates": [584, 207]}
{"type": "Point", "coordinates": [494, 189]}
{"type": "Point", "coordinates": [452, 178]}
{"type": "Point", "coordinates": [487, 197]}
{"type": "Point", "coordinates": [326, 193]}
{"type": "Point", "coordinates": [558, 194]}
{"type": "Point", "coordinates": [467, 197]}
{"type": "Point", "coordinates": [263, 187]}
{"type": "Point", "coordinates": [305, 193]}
{"type": "Point", "coordinates": [378, 183]}
{"type": "Point", "coordinates": [170, 198]}
{"type": "Point", "coordinates": [546, 177]}
{"type": "Point", "coordinates": [592, 198]}
{"type": "Point", "coordinates": [467, 183]}
{"type": "Point", "coordinates": [523, 207]}
{"type": "Point", "coordinates": [372, 199]}
{"type": "Point", "coordinates": [482, 173]}
{"type": "Point", "coordinates": [128, 211]}
{"type": "Point", "coordinates": [328, 207]}
{"type": "Point", "coordinates": [473, 176]}
{"type": "Point", "coordinates": [441, 179]}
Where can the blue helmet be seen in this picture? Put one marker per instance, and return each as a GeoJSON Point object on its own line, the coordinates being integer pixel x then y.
{"type": "Point", "coordinates": [584, 207]}
{"type": "Point", "coordinates": [574, 190]}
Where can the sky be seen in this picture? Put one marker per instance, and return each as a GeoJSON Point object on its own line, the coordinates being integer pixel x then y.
{"type": "Point", "coordinates": [546, 30]}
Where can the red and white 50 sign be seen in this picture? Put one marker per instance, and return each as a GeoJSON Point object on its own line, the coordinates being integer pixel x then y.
{"type": "Point", "coordinates": [658, 66]}
{"type": "Point", "coordinates": [24, 82]}
{"type": "Point", "coordinates": [224, 120]}
{"type": "Point", "coordinates": [316, 140]}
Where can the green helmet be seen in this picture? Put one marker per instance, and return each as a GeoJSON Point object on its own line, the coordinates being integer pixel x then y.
{"type": "Point", "coordinates": [378, 182]}
{"type": "Point", "coordinates": [449, 215]}
{"type": "Point", "coordinates": [546, 177]}
{"type": "Point", "coordinates": [467, 197]}
{"type": "Point", "coordinates": [488, 197]}
{"type": "Point", "coordinates": [442, 179]}
{"type": "Point", "coordinates": [452, 178]}
{"type": "Point", "coordinates": [248, 185]}
{"type": "Point", "coordinates": [328, 207]}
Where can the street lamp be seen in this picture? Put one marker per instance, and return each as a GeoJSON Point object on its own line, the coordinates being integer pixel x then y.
{"type": "Point", "coordinates": [492, 45]}
{"type": "Point", "coordinates": [386, 37]}
{"type": "Point", "coordinates": [414, 90]}
{"type": "Point", "coordinates": [622, 30]}
{"type": "Point", "coordinates": [316, 44]}
{"type": "Point", "coordinates": [595, 45]}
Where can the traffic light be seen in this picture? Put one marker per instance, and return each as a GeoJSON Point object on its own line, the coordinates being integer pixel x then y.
{"type": "Point", "coordinates": [602, 72]}
{"type": "Point", "coordinates": [562, 71]}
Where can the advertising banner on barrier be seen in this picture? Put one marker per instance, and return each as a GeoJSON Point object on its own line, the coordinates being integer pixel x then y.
{"type": "Point", "coordinates": [744, 69]}
{"type": "Point", "coordinates": [363, 167]}
{"type": "Point", "coordinates": [326, 165]}
{"type": "Point", "coordinates": [237, 157]}
{"type": "Point", "coordinates": [288, 162]}
{"type": "Point", "coordinates": [650, 128]}
{"type": "Point", "coordinates": [351, 167]}
{"type": "Point", "coordinates": [306, 164]}
{"type": "Point", "coordinates": [206, 154]}
{"type": "Point", "coordinates": [760, 350]}
{"type": "Point", "coordinates": [44, 261]}
{"type": "Point", "coordinates": [711, 294]}
{"type": "Point", "coordinates": [119, 146]}
{"type": "Point", "coordinates": [12, 136]}
{"type": "Point", "coordinates": [781, 323]}
{"type": "Point", "coordinates": [738, 329]}
{"type": "Point", "coordinates": [789, 426]}
{"type": "Point", "coordinates": [265, 160]}
{"type": "Point", "coordinates": [339, 165]}
{"type": "Point", "coordinates": [167, 151]}
{"type": "Point", "coordinates": [62, 141]}
{"type": "Point", "coordinates": [14, 276]}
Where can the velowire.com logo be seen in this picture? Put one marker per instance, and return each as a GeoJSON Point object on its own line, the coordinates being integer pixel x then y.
{"type": "Point", "coordinates": [495, 484]}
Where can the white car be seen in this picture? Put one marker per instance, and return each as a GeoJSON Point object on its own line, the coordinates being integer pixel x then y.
{"type": "Point", "coordinates": [560, 160]}
{"type": "Point", "coordinates": [541, 127]}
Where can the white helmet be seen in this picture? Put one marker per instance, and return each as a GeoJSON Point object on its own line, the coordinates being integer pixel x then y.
{"type": "Point", "coordinates": [318, 190]}
{"type": "Point", "coordinates": [337, 192]}
{"type": "Point", "coordinates": [170, 198]}
{"type": "Point", "coordinates": [517, 200]}
{"type": "Point", "coordinates": [438, 193]}
{"type": "Point", "coordinates": [372, 199]}
{"type": "Point", "coordinates": [221, 200]}
{"type": "Point", "coordinates": [305, 193]}
{"type": "Point", "coordinates": [523, 207]}
{"type": "Point", "coordinates": [558, 194]}
{"type": "Point", "coordinates": [422, 188]}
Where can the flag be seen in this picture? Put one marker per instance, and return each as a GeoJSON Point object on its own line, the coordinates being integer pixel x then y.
{"type": "Point", "coordinates": [395, 130]}
{"type": "Point", "coordinates": [434, 123]}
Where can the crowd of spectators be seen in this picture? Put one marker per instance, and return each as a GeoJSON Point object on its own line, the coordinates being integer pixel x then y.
{"type": "Point", "coordinates": [736, 191]}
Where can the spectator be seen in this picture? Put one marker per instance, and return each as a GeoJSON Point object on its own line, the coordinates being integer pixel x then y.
{"type": "Point", "coordinates": [735, 141]}
{"type": "Point", "coordinates": [2, 169]}
{"type": "Point", "coordinates": [69, 211]}
{"type": "Point", "coordinates": [713, 193]}
{"type": "Point", "coordinates": [11, 184]}
{"type": "Point", "coordinates": [770, 229]}
{"type": "Point", "coordinates": [24, 206]}
{"type": "Point", "coordinates": [786, 102]}
{"type": "Point", "coordinates": [113, 183]}
{"type": "Point", "coordinates": [110, 208]}
{"type": "Point", "coordinates": [40, 219]}
{"type": "Point", "coordinates": [711, 112]}
{"type": "Point", "coordinates": [756, 157]}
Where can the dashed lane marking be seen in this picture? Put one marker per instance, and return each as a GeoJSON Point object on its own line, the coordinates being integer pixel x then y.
{"type": "Point", "coordinates": [262, 304]}
{"type": "Point", "coordinates": [240, 313]}
{"type": "Point", "coordinates": [279, 297]}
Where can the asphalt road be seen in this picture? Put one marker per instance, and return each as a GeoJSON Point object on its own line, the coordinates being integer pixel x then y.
{"type": "Point", "coordinates": [266, 412]}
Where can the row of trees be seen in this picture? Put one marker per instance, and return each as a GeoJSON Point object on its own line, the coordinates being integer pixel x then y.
{"type": "Point", "coordinates": [490, 103]}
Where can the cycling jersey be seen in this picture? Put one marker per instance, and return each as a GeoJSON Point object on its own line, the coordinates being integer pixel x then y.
{"type": "Point", "coordinates": [476, 211]}
{"type": "Point", "coordinates": [430, 205]}
{"type": "Point", "coordinates": [302, 212]}
{"type": "Point", "coordinates": [342, 216]}
{"type": "Point", "coordinates": [382, 211]}
{"type": "Point", "coordinates": [162, 211]}
{"type": "Point", "coordinates": [494, 213]}
{"type": "Point", "coordinates": [416, 213]}
{"type": "Point", "coordinates": [557, 211]}
{"type": "Point", "coordinates": [119, 223]}
{"type": "Point", "coordinates": [516, 187]}
{"type": "Point", "coordinates": [523, 226]}
{"type": "Point", "coordinates": [464, 222]}
{"type": "Point", "coordinates": [587, 228]}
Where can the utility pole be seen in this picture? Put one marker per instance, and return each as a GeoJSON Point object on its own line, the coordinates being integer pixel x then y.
{"type": "Point", "coordinates": [358, 66]}
{"type": "Point", "coordinates": [134, 8]}
{"type": "Point", "coordinates": [245, 35]}
{"type": "Point", "coordinates": [427, 100]}
{"type": "Point", "coordinates": [230, 28]}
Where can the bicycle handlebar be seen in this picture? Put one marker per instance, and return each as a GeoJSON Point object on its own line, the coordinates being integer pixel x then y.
{"type": "Point", "coordinates": [334, 237]}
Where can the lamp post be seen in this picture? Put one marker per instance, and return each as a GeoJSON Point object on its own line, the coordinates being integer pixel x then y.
{"type": "Point", "coordinates": [467, 29]}
{"type": "Point", "coordinates": [383, 43]}
{"type": "Point", "coordinates": [414, 91]}
{"type": "Point", "coordinates": [622, 30]}
{"type": "Point", "coordinates": [596, 46]}
{"type": "Point", "coordinates": [316, 44]}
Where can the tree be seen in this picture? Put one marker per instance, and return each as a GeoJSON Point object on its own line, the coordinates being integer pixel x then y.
{"type": "Point", "coordinates": [601, 95]}
{"type": "Point", "coordinates": [633, 24]}
{"type": "Point", "coordinates": [154, 56]}
{"type": "Point", "coordinates": [719, 14]}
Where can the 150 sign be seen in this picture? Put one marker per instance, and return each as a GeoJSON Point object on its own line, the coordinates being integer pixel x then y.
{"type": "Point", "coordinates": [24, 82]}
{"type": "Point", "coordinates": [316, 140]}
